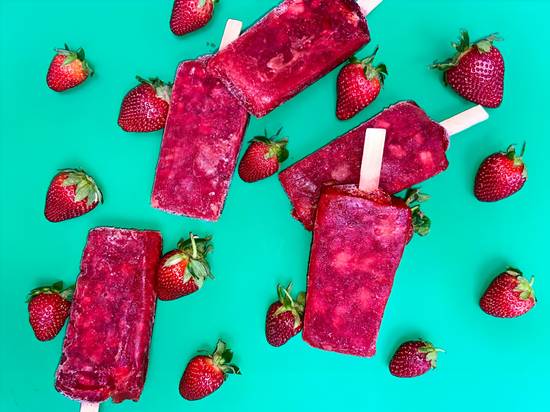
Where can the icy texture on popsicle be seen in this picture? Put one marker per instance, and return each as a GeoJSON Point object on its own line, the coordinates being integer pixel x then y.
{"type": "Point", "coordinates": [201, 142]}
{"type": "Point", "coordinates": [415, 151]}
{"type": "Point", "coordinates": [106, 347]}
{"type": "Point", "coordinates": [357, 245]}
{"type": "Point", "coordinates": [290, 48]}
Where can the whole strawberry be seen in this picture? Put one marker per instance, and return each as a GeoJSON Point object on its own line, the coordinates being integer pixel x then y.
{"type": "Point", "coordinates": [500, 175]}
{"type": "Point", "coordinates": [205, 374]}
{"type": "Point", "coordinates": [284, 318]}
{"type": "Point", "coordinates": [476, 72]}
{"type": "Point", "coordinates": [145, 107]}
{"type": "Point", "coordinates": [509, 295]}
{"type": "Point", "coordinates": [48, 309]}
{"type": "Point", "coordinates": [72, 193]}
{"type": "Point", "coordinates": [414, 358]}
{"type": "Point", "coordinates": [263, 157]}
{"type": "Point", "coordinates": [359, 83]}
{"type": "Point", "coordinates": [184, 270]}
{"type": "Point", "coordinates": [190, 15]}
{"type": "Point", "coordinates": [68, 69]}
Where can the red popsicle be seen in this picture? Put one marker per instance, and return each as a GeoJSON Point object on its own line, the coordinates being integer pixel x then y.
{"type": "Point", "coordinates": [106, 347]}
{"type": "Point", "coordinates": [415, 151]}
{"type": "Point", "coordinates": [291, 47]}
{"type": "Point", "coordinates": [358, 240]}
{"type": "Point", "coordinates": [201, 142]}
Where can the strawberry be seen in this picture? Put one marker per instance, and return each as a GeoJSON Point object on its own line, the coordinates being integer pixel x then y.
{"type": "Point", "coordinates": [68, 69]}
{"type": "Point", "coordinates": [190, 15]}
{"type": "Point", "coordinates": [414, 358]}
{"type": "Point", "coordinates": [284, 318]}
{"type": "Point", "coordinates": [500, 175]}
{"type": "Point", "coordinates": [476, 72]}
{"type": "Point", "coordinates": [184, 270]}
{"type": "Point", "coordinates": [145, 107]}
{"type": "Point", "coordinates": [509, 295]}
{"type": "Point", "coordinates": [359, 83]}
{"type": "Point", "coordinates": [72, 193]}
{"type": "Point", "coordinates": [205, 374]}
{"type": "Point", "coordinates": [48, 309]}
{"type": "Point", "coordinates": [421, 223]}
{"type": "Point", "coordinates": [263, 157]}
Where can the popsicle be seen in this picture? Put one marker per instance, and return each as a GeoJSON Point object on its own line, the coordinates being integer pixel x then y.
{"type": "Point", "coordinates": [106, 347]}
{"type": "Point", "coordinates": [359, 237]}
{"type": "Point", "coordinates": [291, 47]}
{"type": "Point", "coordinates": [415, 151]}
{"type": "Point", "coordinates": [201, 142]}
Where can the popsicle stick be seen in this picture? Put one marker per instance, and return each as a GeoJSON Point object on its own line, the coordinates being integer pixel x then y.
{"type": "Point", "coordinates": [231, 33]}
{"type": "Point", "coordinates": [373, 150]}
{"type": "Point", "coordinates": [89, 407]}
{"type": "Point", "coordinates": [368, 5]}
{"type": "Point", "coordinates": [465, 120]}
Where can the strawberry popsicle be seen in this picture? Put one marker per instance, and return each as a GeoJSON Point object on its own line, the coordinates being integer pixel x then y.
{"type": "Point", "coordinates": [201, 142]}
{"type": "Point", "coordinates": [106, 347]}
{"type": "Point", "coordinates": [358, 240]}
{"type": "Point", "coordinates": [291, 47]}
{"type": "Point", "coordinates": [415, 151]}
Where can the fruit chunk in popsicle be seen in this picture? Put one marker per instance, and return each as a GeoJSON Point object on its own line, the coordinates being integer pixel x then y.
{"type": "Point", "coordinates": [106, 347]}
{"type": "Point", "coordinates": [201, 142]}
{"type": "Point", "coordinates": [358, 241]}
{"type": "Point", "coordinates": [293, 46]}
{"type": "Point", "coordinates": [415, 151]}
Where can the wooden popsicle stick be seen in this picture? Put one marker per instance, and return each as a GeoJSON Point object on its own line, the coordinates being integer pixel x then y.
{"type": "Point", "coordinates": [368, 6]}
{"type": "Point", "coordinates": [373, 151]}
{"type": "Point", "coordinates": [231, 33]}
{"type": "Point", "coordinates": [465, 120]}
{"type": "Point", "coordinates": [89, 407]}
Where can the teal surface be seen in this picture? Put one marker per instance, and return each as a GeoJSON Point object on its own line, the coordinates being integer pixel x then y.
{"type": "Point", "coordinates": [490, 364]}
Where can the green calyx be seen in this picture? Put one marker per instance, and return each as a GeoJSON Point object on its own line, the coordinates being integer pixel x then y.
{"type": "Point", "coordinates": [203, 3]}
{"type": "Point", "coordinates": [517, 159]}
{"type": "Point", "coordinates": [86, 187]}
{"type": "Point", "coordinates": [524, 287]}
{"type": "Point", "coordinates": [463, 46]}
{"type": "Point", "coordinates": [194, 251]}
{"type": "Point", "coordinates": [163, 90]}
{"type": "Point", "coordinates": [421, 222]}
{"type": "Point", "coordinates": [57, 288]}
{"type": "Point", "coordinates": [222, 358]}
{"type": "Point", "coordinates": [296, 307]}
{"type": "Point", "coordinates": [72, 55]}
{"type": "Point", "coordinates": [371, 71]}
{"type": "Point", "coordinates": [431, 353]}
{"type": "Point", "coordinates": [276, 147]}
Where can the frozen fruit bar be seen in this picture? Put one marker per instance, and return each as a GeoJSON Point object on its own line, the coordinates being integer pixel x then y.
{"type": "Point", "coordinates": [357, 245]}
{"type": "Point", "coordinates": [106, 347]}
{"type": "Point", "coordinates": [290, 48]}
{"type": "Point", "coordinates": [201, 142]}
{"type": "Point", "coordinates": [414, 152]}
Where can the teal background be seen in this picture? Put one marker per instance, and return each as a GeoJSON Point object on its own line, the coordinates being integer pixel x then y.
{"type": "Point", "coordinates": [490, 364]}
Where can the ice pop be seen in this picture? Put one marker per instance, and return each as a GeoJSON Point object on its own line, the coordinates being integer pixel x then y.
{"type": "Point", "coordinates": [414, 152]}
{"type": "Point", "coordinates": [291, 47]}
{"type": "Point", "coordinates": [201, 142]}
{"type": "Point", "coordinates": [358, 240]}
{"type": "Point", "coordinates": [106, 347]}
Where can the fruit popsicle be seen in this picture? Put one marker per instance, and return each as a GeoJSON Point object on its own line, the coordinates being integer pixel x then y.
{"type": "Point", "coordinates": [358, 240]}
{"type": "Point", "coordinates": [415, 151]}
{"type": "Point", "coordinates": [201, 142]}
{"type": "Point", "coordinates": [106, 347]}
{"type": "Point", "coordinates": [291, 47]}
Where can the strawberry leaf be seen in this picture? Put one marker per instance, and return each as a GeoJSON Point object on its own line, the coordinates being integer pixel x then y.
{"type": "Point", "coordinates": [174, 259]}
{"type": "Point", "coordinates": [421, 222]}
{"type": "Point", "coordinates": [525, 287]}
